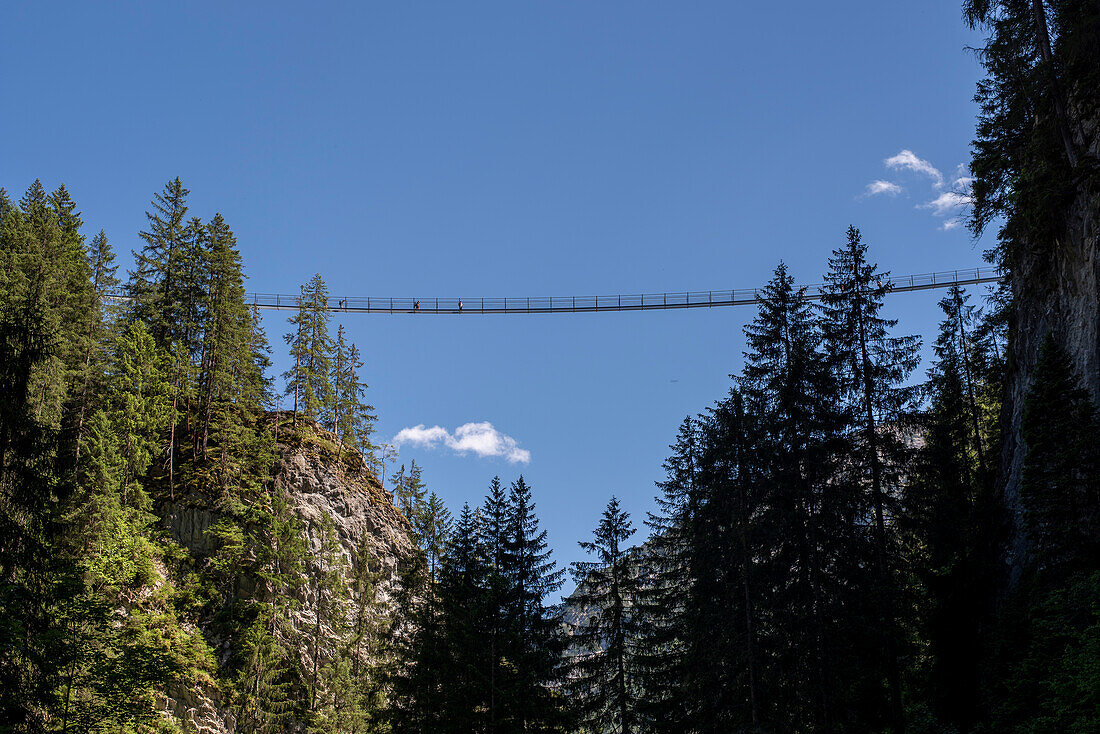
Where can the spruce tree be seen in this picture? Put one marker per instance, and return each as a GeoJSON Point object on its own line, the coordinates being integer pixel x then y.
{"type": "Point", "coordinates": [664, 699]}
{"type": "Point", "coordinates": [140, 400]}
{"type": "Point", "coordinates": [722, 613]}
{"type": "Point", "coordinates": [805, 525]}
{"type": "Point", "coordinates": [79, 312]}
{"type": "Point", "coordinates": [534, 643]}
{"type": "Point", "coordinates": [493, 536]}
{"type": "Point", "coordinates": [156, 283]}
{"type": "Point", "coordinates": [352, 419]}
{"type": "Point", "coordinates": [310, 348]}
{"type": "Point", "coordinates": [872, 367]}
{"type": "Point", "coordinates": [166, 291]}
{"type": "Point", "coordinates": [942, 504]}
{"type": "Point", "coordinates": [1041, 675]}
{"type": "Point", "coordinates": [602, 666]}
{"type": "Point", "coordinates": [99, 322]}
{"type": "Point", "coordinates": [435, 532]}
{"type": "Point", "coordinates": [1060, 487]}
{"type": "Point", "coordinates": [28, 485]}
{"type": "Point", "coordinates": [462, 587]}
{"type": "Point", "coordinates": [409, 495]}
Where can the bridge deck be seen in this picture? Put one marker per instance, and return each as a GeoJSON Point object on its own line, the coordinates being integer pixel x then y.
{"type": "Point", "coordinates": [586, 304]}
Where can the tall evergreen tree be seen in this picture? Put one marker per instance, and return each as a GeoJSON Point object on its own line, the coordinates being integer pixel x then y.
{"type": "Point", "coordinates": [873, 366]}
{"type": "Point", "coordinates": [435, 532]}
{"type": "Point", "coordinates": [664, 699]}
{"type": "Point", "coordinates": [409, 495]}
{"type": "Point", "coordinates": [1041, 673]}
{"type": "Point", "coordinates": [98, 323]}
{"type": "Point", "coordinates": [493, 537]}
{"type": "Point", "coordinates": [947, 517]}
{"type": "Point", "coordinates": [806, 517]}
{"type": "Point", "coordinates": [534, 644]}
{"type": "Point", "coordinates": [352, 419]}
{"type": "Point", "coordinates": [167, 292]}
{"type": "Point", "coordinates": [724, 603]}
{"type": "Point", "coordinates": [1061, 478]}
{"type": "Point", "coordinates": [603, 666]}
{"type": "Point", "coordinates": [28, 485]}
{"type": "Point", "coordinates": [156, 283]}
{"type": "Point", "coordinates": [140, 399]}
{"type": "Point", "coordinates": [310, 348]}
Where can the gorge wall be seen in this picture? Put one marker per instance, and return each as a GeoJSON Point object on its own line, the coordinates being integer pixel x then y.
{"type": "Point", "coordinates": [314, 484]}
{"type": "Point", "coordinates": [1055, 290]}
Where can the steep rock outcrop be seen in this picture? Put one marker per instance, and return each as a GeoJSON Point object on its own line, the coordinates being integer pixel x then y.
{"type": "Point", "coordinates": [1055, 290]}
{"type": "Point", "coordinates": [316, 480]}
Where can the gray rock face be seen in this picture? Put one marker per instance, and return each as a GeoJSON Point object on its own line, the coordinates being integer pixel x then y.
{"type": "Point", "coordinates": [362, 511]}
{"type": "Point", "coordinates": [198, 711]}
{"type": "Point", "coordinates": [315, 485]}
{"type": "Point", "coordinates": [1056, 289]}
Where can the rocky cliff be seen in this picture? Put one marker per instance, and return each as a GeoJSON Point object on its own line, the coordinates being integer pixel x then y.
{"type": "Point", "coordinates": [1055, 290]}
{"type": "Point", "coordinates": [316, 483]}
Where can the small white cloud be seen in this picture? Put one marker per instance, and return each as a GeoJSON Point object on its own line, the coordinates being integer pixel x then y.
{"type": "Point", "coordinates": [950, 224]}
{"type": "Point", "coordinates": [480, 438]}
{"type": "Point", "coordinates": [908, 160]}
{"type": "Point", "coordinates": [421, 436]}
{"type": "Point", "coordinates": [882, 187]}
{"type": "Point", "coordinates": [949, 202]}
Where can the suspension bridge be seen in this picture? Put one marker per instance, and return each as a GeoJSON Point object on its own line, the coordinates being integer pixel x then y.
{"type": "Point", "coordinates": [618, 302]}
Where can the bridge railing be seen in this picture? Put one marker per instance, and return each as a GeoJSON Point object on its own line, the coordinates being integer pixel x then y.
{"type": "Point", "coordinates": [621, 302]}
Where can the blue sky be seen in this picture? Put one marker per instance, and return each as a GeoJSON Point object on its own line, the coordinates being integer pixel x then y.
{"type": "Point", "coordinates": [491, 149]}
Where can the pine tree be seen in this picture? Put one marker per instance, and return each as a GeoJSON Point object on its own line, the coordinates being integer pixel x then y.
{"type": "Point", "coordinates": [724, 603]}
{"type": "Point", "coordinates": [1060, 487]}
{"type": "Point", "coordinates": [409, 494]}
{"type": "Point", "coordinates": [28, 485]}
{"type": "Point", "coordinates": [310, 346]}
{"type": "Point", "coordinates": [232, 385]}
{"type": "Point", "coordinates": [167, 292]}
{"type": "Point", "coordinates": [156, 282]}
{"type": "Point", "coordinates": [806, 518]}
{"type": "Point", "coordinates": [79, 313]}
{"type": "Point", "coordinates": [99, 322]}
{"type": "Point", "coordinates": [140, 402]}
{"type": "Point", "coordinates": [602, 669]}
{"type": "Point", "coordinates": [958, 336]}
{"type": "Point", "coordinates": [340, 373]}
{"type": "Point", "coordinates": [352, 419]}
{"type": "Point", "coordinates": [493, 537]}
{"type": "Point", "coordinates": [434, 532]}
{"type": "Point", "coordinates": [534, 643]}
{"type": "Point", "coordinates": [1031, 151]}
{"type": "Point", "coordinates": [872, 367]}
{"type": "Point", "coordinates": [667, 584]}
{"type": "Point", "coordinates": [462, 594]}
{"type": "Point", "coordinates": [1041, 675]}
{"type": "Point", "coordinates": [940, 517]}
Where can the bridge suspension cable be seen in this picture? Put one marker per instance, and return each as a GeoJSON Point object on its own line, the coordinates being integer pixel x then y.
{"type": "Point", "coordinates": [619, 302]}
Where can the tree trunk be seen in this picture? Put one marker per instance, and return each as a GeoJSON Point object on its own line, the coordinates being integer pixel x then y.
{"type": "Point", "coordinates": [1042, 40]}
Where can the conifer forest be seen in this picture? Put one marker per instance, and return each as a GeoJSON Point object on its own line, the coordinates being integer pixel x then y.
{"type": "Point", "coordinates": [848, 540]}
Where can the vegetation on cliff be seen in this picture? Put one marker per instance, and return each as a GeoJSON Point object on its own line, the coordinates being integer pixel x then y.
{"type": "Point", "coordinates": [837, 546]}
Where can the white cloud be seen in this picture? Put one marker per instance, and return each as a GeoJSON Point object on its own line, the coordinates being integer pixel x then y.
{"type": "Point", "coordinates": [480, 438]}
{"type": "Point", "coordinates": [908, 160]}
{"type": "Point", "coordinates": [882, 187]}
{"type": "Point", "coordinates": [949, 202]}
{"type": "Point", "coordinates": [951, 196]}
{"type": "Point", "coordinates": [421, 436]}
